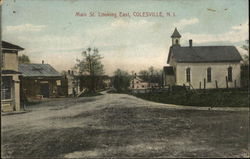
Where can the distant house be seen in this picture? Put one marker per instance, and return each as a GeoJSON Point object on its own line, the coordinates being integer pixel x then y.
{"type": "Point", "coordinates": [73, 83]}
{"type": "Point", "coordinates": [142, 84]}
{"type": "Point", "coordinates": [10, 86]}
{"type": "Point", "coordinates": [202, 66]}
{"type": "Point", "coordinates": [42, 81]}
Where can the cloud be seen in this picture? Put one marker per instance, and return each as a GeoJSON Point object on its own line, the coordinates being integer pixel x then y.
{"type": "Point", "coordinates": [185, 22]}
{"type": "Point", "coordinates": [54, 42]}
{"type": "Point", "coordinates": [25, 28]}
{"type": "Point", "coordinates": [127, 33]}
{"type": "Point", "coordinates": [236, 34]}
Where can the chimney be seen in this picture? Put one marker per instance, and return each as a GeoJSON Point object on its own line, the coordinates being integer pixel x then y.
{"type": "Point", "coordinates": [42, 62]}
{"type": "Point", "coordinates": [190, 43]}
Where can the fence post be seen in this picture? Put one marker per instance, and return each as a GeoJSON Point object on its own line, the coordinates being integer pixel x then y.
{"type": "Point", "coordinates": [204, 83]}
{"type": "Point", "coordinates": [226, 81]}
{"type": "Point", "coordinates": [200, 85]}
{"type": "Point", "coordinates": [235, 84]}
{"type": "Point", "coordinates": [216, 84]}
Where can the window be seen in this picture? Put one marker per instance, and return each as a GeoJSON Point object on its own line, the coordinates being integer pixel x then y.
{"type": "Point", "coordinates": [188, 75]}
{"type": "Point", "coordinates": [209, 76]}
{"type": "Point", "coordinates": [229, 74]}
{"type": "Point", "coordinates": [58, 82]}
{"type": "Point", "coordinates": [6, 87]}
{"type": "Point", "coordinates": [176, 41]}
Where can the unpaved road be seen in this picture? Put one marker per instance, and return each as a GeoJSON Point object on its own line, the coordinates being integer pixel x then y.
{"type": "Point", "coordinates": [118, 125]}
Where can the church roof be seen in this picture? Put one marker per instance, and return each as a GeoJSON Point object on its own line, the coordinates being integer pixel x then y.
{"type": "Point", "coordinates": [199, 54]}
{"type": "Point", "coordinates": [176, 34]}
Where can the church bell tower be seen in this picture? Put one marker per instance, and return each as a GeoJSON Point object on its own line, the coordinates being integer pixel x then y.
{"type": "Point", "coordinates": [176, 36]}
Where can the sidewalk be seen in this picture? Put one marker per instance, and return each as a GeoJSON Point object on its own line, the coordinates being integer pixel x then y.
{"type": "Point", "coordinates": [15, 112]}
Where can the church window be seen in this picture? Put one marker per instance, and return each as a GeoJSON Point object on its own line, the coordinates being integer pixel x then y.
{"type": "Point", "coordinates": [209, 75]}
{"type": "Point", "coordinates": [230, 74]}
{"type": "Point", "coordinates": [188, 75]}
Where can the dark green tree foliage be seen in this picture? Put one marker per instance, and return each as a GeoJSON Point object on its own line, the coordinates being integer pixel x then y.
{"type": "Point", "coordinates": [90, 65]}
{"type": "Point", "coordinates": [121, 80]}
{"type": "Point", "coordinates": [23, 59]}
{"type": "Point", "coordinates": [152, 75]}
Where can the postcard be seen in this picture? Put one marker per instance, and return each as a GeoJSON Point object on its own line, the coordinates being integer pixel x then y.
{"type": "Point", "coordinates": [124, 79]}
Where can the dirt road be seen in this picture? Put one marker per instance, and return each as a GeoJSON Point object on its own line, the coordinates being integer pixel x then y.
{"type": "Point", "coordinates": [118, 125]}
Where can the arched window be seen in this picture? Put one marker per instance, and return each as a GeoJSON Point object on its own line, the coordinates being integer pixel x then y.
{"type": "Point", "coordinates": [188, 75]}
{"type": "Point", "coordinates": [176, 41]}
{"type": "Point", "coordinates": [209, 75]}
{"type": "Point", "coordinates": [230, 74]}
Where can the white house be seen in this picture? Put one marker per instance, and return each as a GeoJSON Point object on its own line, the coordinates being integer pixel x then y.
{"type": "Point", "coordinates": [202, 66]}
{"type": "Point", "coordinates": [140, 85]}
{"type": "Point", "coordinates": [10, 90]}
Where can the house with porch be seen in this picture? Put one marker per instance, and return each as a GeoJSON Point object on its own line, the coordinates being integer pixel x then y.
{"type": "Point", "coordinates": [202, 66]}
{"type": "Point", "coordinates": [10, 82]}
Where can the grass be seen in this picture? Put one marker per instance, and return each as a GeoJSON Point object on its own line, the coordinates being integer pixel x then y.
{"type": "Point", "coordinates": [221, 98]}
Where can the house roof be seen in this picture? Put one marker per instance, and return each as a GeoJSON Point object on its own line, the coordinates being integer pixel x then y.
{"type": "Point", "coordinates": [198, 54]}
{"type": "Point", "coordinates": [149, 79]}
{"type": "Point", "coordinates": [7, 45]}
{"type": "Point", "coordinates": [168, 70]}
{"type": "Point", "coordinates": [176, 34]}
{"type": "Point", "coordinates": [38, 70]}
{"type": "Point", "coordinates": [10, 72]}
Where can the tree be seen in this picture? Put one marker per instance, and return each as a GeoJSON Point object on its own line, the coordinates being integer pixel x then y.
{"type": "Point", "coordinates": [121, 80]}
{"type": "Point", "coordinates": [23, 59]}
{"type": "Point", "coordinates": [144, 74]}
{"type": "Point", "coordinates": [90, 65]}
{"type": "Point", "coordinates": [246, 57]}
{"type": "Point", "coordinates": [152, 75]}
{"type": "Point", "coordinates": [246, 46]}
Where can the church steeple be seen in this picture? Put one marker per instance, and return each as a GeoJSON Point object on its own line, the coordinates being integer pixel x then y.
{"type": "Point", "coordinates": [176, 37]}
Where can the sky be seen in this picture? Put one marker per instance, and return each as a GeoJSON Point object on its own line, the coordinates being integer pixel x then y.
{"type": "Point", "coordinates": [51, 30]}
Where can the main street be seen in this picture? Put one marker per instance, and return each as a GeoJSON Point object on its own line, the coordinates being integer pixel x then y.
{"type": "Point", "coordinates": [120, 125]}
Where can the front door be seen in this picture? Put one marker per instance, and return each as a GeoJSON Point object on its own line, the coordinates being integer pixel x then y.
{"type": "Point", "coordinates": [45, 90]}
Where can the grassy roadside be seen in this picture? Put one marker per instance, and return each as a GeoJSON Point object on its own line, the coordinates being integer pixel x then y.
{"type": "Point", "coordinates": [214, 98]}
{"type": "Point", "coordinates": [91, 94]}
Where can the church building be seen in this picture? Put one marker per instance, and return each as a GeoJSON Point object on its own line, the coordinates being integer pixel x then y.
{"type": "Point", "coordinates": [202, 66]}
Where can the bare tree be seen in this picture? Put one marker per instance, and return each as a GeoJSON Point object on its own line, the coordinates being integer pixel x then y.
{"type": "Point", "coordinates": [90, 65]}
